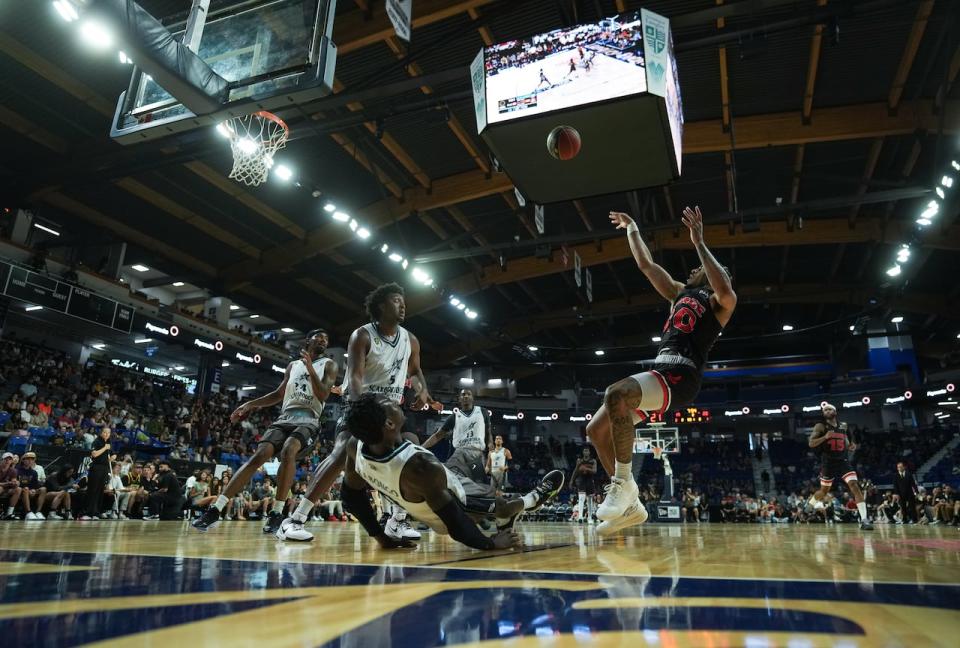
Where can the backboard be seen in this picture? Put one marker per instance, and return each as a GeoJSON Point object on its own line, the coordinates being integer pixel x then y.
{"type": "Point", "coordinates": [656, 436]}
{"type": "Point", "coordinates": [273, 53]}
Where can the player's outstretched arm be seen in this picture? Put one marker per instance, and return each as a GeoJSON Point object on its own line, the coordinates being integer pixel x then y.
{"type": "Point", "coordinates": [267, 400]}
{"type": "Point", "coordinates": [717, 277]}
{"type": "Point", "coordinates": [663, 283]}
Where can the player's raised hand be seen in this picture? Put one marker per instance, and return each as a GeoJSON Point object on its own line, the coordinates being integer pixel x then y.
{"type": "Point", "coordinates": [693, 219]}
{"type": "Point", "coordinates": [621, 220]}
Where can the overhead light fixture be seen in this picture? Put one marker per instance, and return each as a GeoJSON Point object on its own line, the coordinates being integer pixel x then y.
{"type": "Point", "coordinates": [341, 216]}
{"type": "Point", "coordinates": [897, 319]}
{"type": "Point", "coordinates": [419, 275]}
{"type": "Point", "coordinates": [100, 346]}
{"type": "Point", "coordinates": [247, 145]}
{"type": "Point", "coordinates": [533, 348]}
{"type": "Point", "coordinates": [253, 316]}
{"type": "Point", "coordinates": [955, 165]}
{"type": "Point", "coordinates": [471, 314]}
{"type": "Point", "coordinates": [96, 35]}
{"type": "Point", "coordinates": [852, 327]}
{"type": "Point", "coordinates": [787, 327]}
{"type": "Point", "coordinates": [224, 129]}
{"type": "Point", "coordinates": [384, 248]}
{"type": "Point", "coordinates": [234, 307]}
{"type": "Point", "coordinates": [454, 301]}
{"type": "Point", "coordinates": [924, 222]}
{"type": "Point", "coordinates": [461, 306]}
{"type": "Point", "coordinates": [139, 267]}
{"type": "Point", "coordinates": [329, 208]}
{"type": "Point", "coordinates": [354, 225]}
{"type": "Point", "coordinates": [179, 368]}
{"type": "Point", "coordinates": [287, 329]}
{"type": "Point", "coordinates": [894, 271]}
{"type": "Point", "coordinates": [177, 284]}
{"type": "Point", "coordinates": [46, 229]}
{"type": "Point", "coordinates": [466, 381]}
{"type": "Point", "coordinates": [66, 10]}
{"type": "Point", "coordinates": [143, 340]}
{"type": "Point", "coordinates": [33, 308]}
{"type": "Point", "coordinates": [656, 338]}
{"type": "Point", "coordinates": [940, 193]}
{"type": "Point", "coordinates": [396, 258]}
{"type": "Point", "coordinates": [946, 181]}
{"type": "Point", "coordinates": [248, 387]}
{"type": "Point", "coordinates": [124, 59]}
{"type": "Point", "coordinates": [363, 233]}
{"type": "Point", "coordinates": [224, 364]}
{"type": "Point", "coordinates": [599, 352]}
{"type": "Point", "coordinates": [404, 264]}
{"type": "Point", "coordinates": [495, 382]}
{"type": "Point", "coordinates": [283, 172]}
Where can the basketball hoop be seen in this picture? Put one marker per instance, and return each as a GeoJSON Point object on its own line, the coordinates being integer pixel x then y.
{"type": "Point", "coordinates": [254, 139]}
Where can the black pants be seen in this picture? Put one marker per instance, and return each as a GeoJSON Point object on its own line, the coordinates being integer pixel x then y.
{"type": "Point", "coordinates": [908, 504]}
{"type": "Point", "coordinates": [168, 506]}
{"type": "Point", "coordinates": [96, 482]}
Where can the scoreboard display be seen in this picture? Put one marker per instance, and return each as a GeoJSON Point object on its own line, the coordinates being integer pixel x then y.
{"type": "Point", "coordinates": [691, 414]}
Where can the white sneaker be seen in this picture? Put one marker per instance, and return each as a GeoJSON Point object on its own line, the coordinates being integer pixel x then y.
{"type": "Point", "coordinates": [400, 530]}
{"type": "Point", "coordinates": [85, 518]}
{"type": "Point", "coordinates": [291, 529]}
{"type": "Point", "coordinates": [635, 514]}
{"type": "Point", "coordinates": [39, 516]}
{"type": "Point", "coordinates": [621, 495]}
{"type": "Point", "coordinates": [30, 516]}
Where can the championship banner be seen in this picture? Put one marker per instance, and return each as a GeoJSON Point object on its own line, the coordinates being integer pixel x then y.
{"type": "Point", "coordinates": [656, 32]}
{"type": "Point", "coordinates": [399, 12]}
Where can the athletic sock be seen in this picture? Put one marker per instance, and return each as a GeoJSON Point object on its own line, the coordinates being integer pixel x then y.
{"type": "Point", "coordinates": [624, 471]}
{"type": "Point", "coordinates": [400, 514]}
{"type": "Point", "coordinates": [278, 505]}
{"type": "Point", "coordinates": [9, 510]}
{"type": "Point", "coordinates": [303, 510]}
{"type": "Point", "coordinates": [862, 507]}
{"type": "Point", "coordinates": [221, 503]}
{"type": "Point", "coordinates": [530, 500]}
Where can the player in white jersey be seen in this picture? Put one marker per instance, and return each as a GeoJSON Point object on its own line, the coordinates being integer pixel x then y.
{"type": "Point", "coordinates": [409, 475]}
{"type": "Point", "coordinates": [381, 355]}
{"type": "Point", "coordinates": [305, 387]}
{"type": "Point", "coordinates": [497, 465]}
{"type": "Point", "coordinates": [471, 431]}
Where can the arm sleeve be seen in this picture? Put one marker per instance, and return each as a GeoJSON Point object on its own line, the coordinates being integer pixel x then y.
{"type": "Point", "coordinates": [462, 528]}
{"type": "Point", "coordinates": [355, 500]}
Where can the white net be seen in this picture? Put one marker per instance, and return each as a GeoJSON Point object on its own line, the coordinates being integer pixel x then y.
{"type": "Point", "coordinates": [254, 139]}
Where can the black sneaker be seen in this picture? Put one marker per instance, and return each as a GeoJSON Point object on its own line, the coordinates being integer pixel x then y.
{"type": "Point", "coordinates": [866, 525]}
{"type": "Point", "coordinates": [273, 522]}
{"type": "Point", "coordinates": [209, 519]}
{"type": "Point", "coordinates": [513, 510]}
{"type": "Point", "coordinates": [547, 489]}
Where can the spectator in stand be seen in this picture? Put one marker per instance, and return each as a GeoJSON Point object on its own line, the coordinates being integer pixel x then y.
{"type": "Point", "coordinates": [331, 507]}
{"type": "Point", "coordinates": [200, 490]}
{"type": "Point", "coordinates": [99, 474]}
{"type": "Point", "coordinates": [10, 490]}
{"type": "Point", "coordinates": [117, 493]}
{"type": "Point", "coordinates": [59, 487]}
{"type": "Point", "coordinates": [166, 501]}
{"type": "Point", "coordinates": [33, 492]}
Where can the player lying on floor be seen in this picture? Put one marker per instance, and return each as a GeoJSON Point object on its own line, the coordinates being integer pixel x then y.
{"type": "Point", "coordinates": [412, 477]}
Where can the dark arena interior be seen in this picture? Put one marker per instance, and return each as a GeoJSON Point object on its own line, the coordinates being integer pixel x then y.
{"type": "Point", "coordinates": [411, 323]}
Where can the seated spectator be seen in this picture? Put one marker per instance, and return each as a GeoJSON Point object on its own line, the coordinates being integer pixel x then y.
{"type": "Point", "coordinates": [117, 494]}
{"type": "Point", "coordinates": [199, 490]}
{"type": "Point", "coordinates": [10, 490]}
{"type": "Point", "coordinates": [33, 492]}
{"type": "Point", "coordinates": [59, 487]}
{"type": "Point", "coordinates": [166, 501]}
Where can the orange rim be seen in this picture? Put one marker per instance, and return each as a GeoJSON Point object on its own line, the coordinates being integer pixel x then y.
{"type": "Point", "coordinates": [273, 118]}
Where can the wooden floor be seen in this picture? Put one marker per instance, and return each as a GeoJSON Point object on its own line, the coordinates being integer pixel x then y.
{"type": "Point", "coordinates": [139, 584]}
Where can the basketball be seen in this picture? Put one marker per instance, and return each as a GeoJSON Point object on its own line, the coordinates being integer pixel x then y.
{"type": "Point", "coordinates": [563, 142]}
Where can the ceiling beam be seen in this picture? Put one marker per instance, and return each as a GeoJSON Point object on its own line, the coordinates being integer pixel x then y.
{"type": "Point", "coordinates": [27, 128]}
{"type": "Point", "coordinates": [771, 233]}
{"type": "Point", "coordinates": [757, 131]}
{"type": "Point", "coordinates": [909, 53]}
{"type": "Point", "coordinates": [813, 64]}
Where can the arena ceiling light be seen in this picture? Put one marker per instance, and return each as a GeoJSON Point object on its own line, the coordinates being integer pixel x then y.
{"type": "Point", "coordinates": [46, 229]}
{"type": "Point", "coordinates": [253, 316]}
{"type": "Point", "coordinates": [234, 307]}
{"type": "Point", "coordinates": [96, 35]}
{"type": "Point", "coordinates": [66, 10]}
{"type": "Point", "coordinates": [142, 340]}
{"type": "Point", "coordinates": [454, 301]}
{"type": "Point", "coordinates": [656, 338]}
{"type": "Point", "coordinates": [100, 346]}
{"type": "Point", "coordinates": [283, 172]}
{"type": "Point", "coordinates": [224, 364]}
{"type": "Point", "coordinates": [340, 216]}
{"type": "Point", "coordinates": [363, 233]}
{"type": "Point", "coordinates": [947, 181]}
{"type": "Point", "coordinates": [533, 348]}
{"type": "Point", "coordinates": [893, 271]}
{"type": "Point", "coordinates": [897, 319]}
{"type": "Point", "coordinates": [329, 208]}
{"type": "Point", "coordinates": [30, 309]}
{"type": "Point", "coordinates": [287, 329]}
{"type": "Point", "coordinates": [384, 248]}
{"type": "Point", "coordinates": [248, 387]}
{"type": "Point", "coordinates": [139, 267]}
{"type": "Point", "coordinates": [787, 327]}
{"type": "Point", "coordinates": [471, 314]}
{"type": "Point", "coordinates": [599, 352]}
{"type": "Point", "coordinates": [466, 381]}
{"type": "Point", "coordinates": [177, 284]}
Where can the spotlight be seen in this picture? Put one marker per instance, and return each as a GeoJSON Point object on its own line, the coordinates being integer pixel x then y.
{"type": "Point", "coordinates": [247, 145]}
{"type": "Point", "coordinates": [396, 258]}
{"type": "Point", "coordinates": [343, 217]}
{"type": "Point", "coordinates": [283, 172]}
{"type": "Point", "coordinates": [787, 327]}
{"type": "Point", "coordinates": [329, 208]}
{"type": "Point", "coordinates": [533, 349]}
{"type": "Point", "coordinates": [66, 10]}
{"type": "Point", "coordinates": [404, 264]}
{"type": "Point", "coordinates": [461, 306]}
{"type": "Point", "coordinates": [471, 314]}
{"type": "Point", "coordinates": [363, 233]}
{"type": "Point", "coordinates": [897, 319]}
{"type": "Point", "coordinates": [852, 327]}
{"type": "Point", "coordinates": [454, 301]}
{"type": "Point", "coordinates": [599, 352]}
{"type": "Point", "coordinates": [287, 329]}
{"type": "Point", "coordinates": [940, 193]}
{"type": "Point", "coordinates": [225, 130]}
{"type": "Point", "coordinates": [946, 181]}
{"type": "Point", "coordinates": [894, 271]}
{"type": "Point", "coordinates": [656, 338]}
{"type": "Point", "coordinates": [384, 248]}
{"type": "Point", "coordinates": [354, 225]}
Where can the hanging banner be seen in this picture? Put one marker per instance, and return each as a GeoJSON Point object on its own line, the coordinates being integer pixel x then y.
{"type": "Point", "coordinates": [399, 12]}
{"type": "Point", "coordinates": [576, 268]}
{"type": "Point", "coordinates": [589, 285]}
{"type": "Point", "coordinates": [478, 78]}
{"type": "Point", "coordinates": [538, 218]}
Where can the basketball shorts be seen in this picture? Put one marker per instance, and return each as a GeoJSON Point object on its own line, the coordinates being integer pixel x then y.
{"type": "Point", "coordinates": [304, 432]}
{"type": "Point", "coordinates": [467, 462]}
{"type": "Point", "coordinates": [584, 484]}
{"type": "Point", "coordinates": [666, 386]}
{"type": "Point", "coordinates": [832, 469]}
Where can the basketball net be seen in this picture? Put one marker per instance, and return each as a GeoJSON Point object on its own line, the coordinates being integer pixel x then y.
{"type": "Point", "coordinates": [254, 139]}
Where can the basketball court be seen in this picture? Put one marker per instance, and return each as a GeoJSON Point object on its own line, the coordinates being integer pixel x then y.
{"type": "Point", "coordinates": [233, 180]}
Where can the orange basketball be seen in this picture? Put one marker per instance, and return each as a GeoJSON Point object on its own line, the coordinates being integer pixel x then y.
{"type": "Point", "coordinates": [563, 142]}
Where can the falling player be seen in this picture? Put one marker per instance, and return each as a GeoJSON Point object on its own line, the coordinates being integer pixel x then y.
{"type": "Point", "coordinates": [698, 312]}
{"type": "Point", "coordinates": [471, 436]}
{"type": "Point", "coordinates": [831, 439]}
{"type": "Point", "coordinates": [305, 387]}
{"type": "Point", "coordinates": [381, 355]}
{"type": "Point", "coordinates": [411, 476]}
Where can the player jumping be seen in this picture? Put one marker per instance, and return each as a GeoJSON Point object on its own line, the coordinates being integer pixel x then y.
{"type": "Point", "coordinates": [698, 312]}
{"type": "Point", "coordinates": [831, 439]}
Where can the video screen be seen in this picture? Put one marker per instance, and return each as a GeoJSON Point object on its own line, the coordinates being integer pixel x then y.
{"type": "Point", "coordinates": [564, 68]}
{"type": "Point", "coordinates": [674, 104]}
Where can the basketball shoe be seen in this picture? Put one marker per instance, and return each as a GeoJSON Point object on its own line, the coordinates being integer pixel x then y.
{"type": "Point", "coordinates": [209, 519]}
{"type": "Point", "coordinates": [398, 528]}
{"type": "Point", "coordinates": [621, 494]}
{"type": "Point", "coordinates": [273, 522]}
{"type": "Point", "coordinates": [291, 529]}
